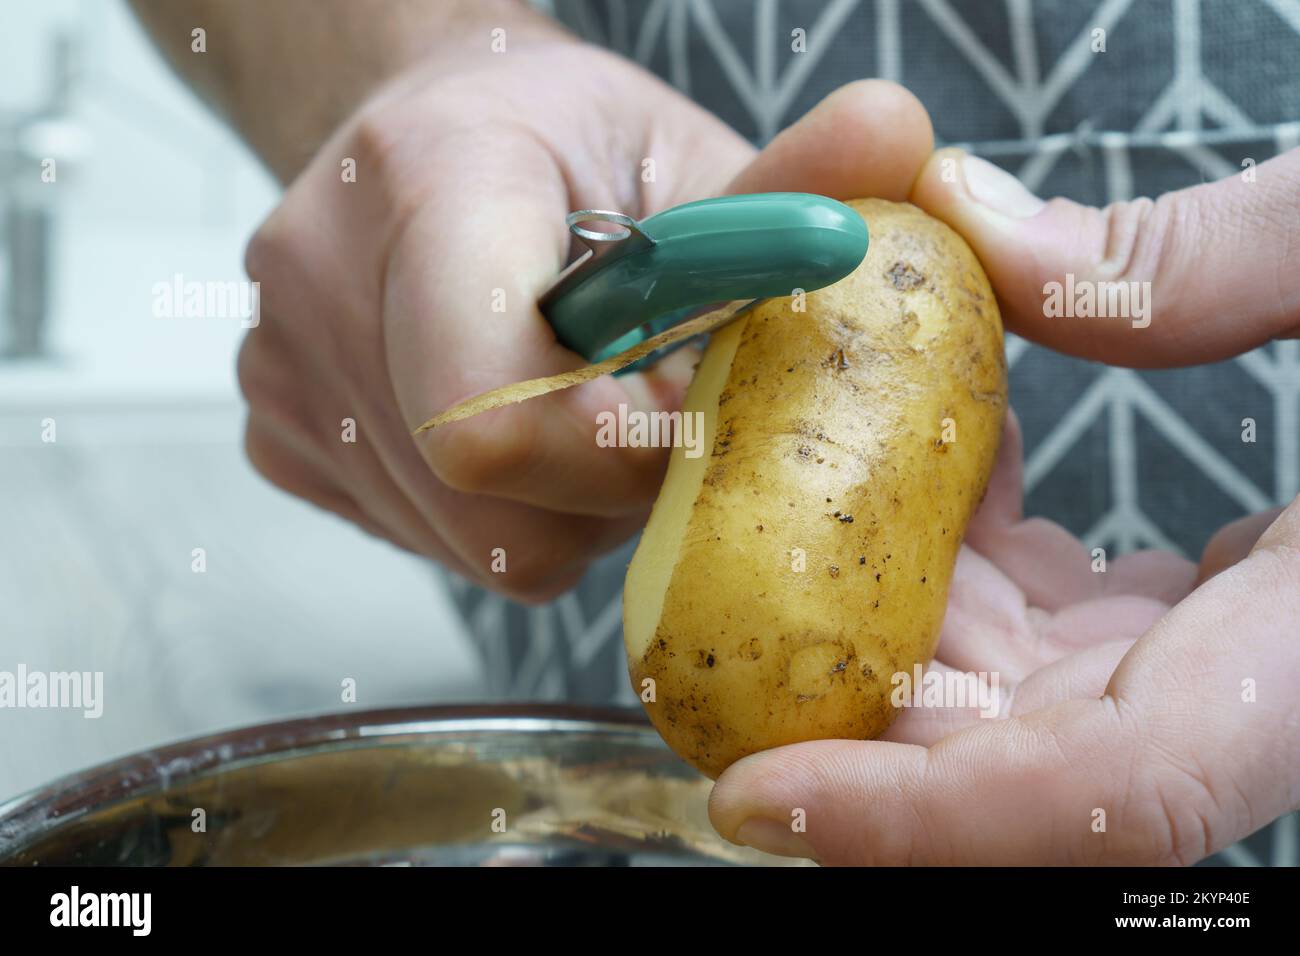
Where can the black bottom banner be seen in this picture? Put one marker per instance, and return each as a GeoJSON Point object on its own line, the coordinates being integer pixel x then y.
{"type": "Point", "coordinates": [446, 905]}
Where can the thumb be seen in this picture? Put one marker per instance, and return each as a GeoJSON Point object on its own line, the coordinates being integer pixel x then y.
{"type": "Point", "coordinates": [1194, 276]}
{"type": "Point", "coordinates": [866, 138]}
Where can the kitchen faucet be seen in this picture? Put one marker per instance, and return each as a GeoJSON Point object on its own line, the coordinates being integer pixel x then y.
{"type": "Point", "coordinates": [36, 148]}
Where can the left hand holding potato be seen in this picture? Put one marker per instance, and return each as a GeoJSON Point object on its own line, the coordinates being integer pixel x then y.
{"type": "Point", "coordinates": [1139, 723]}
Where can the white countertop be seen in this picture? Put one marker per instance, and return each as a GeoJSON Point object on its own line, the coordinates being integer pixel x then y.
{"type": "Point", "coordinates": [96, 536]}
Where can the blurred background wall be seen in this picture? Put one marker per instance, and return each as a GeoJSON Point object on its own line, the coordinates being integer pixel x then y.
{"type": "Point", "coordinates": [98, 527]}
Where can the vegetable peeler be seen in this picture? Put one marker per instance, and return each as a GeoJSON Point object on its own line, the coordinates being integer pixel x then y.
{"type": "Point", "coordinates": [637, 279]}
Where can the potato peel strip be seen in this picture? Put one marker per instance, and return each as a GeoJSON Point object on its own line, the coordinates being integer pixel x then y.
{"type": "Point", "coordinates": [535, 387]}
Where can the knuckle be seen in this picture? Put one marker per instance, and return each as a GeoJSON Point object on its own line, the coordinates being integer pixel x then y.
{"type": "Point", "coordinates": [384, 146]}
{"type": "Point", "coordinates": [536, 581]}
{"type": "Point", "coordinates": [478, 458]}
{"type": "Point", "coordinates": [266, 252]}
{"type": "Point", "coordinates": [248, 371]}
{"type": "Point", "coordinates": [1136, 233]}
{"type": "Point", "coordinates": [1185, 834]}
{"type": "Point", "coordinates": [261, 452]}
{"type": "Point", "coordinates": [544, 563]}
{"type": "Point", "coordinates": [1162, 808]}
{"type": "Point", "coordinates": [376, 137]}
{"type": "Point", "coordinates": [1170, 816]}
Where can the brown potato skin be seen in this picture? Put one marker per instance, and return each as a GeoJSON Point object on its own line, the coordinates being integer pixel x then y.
{"type": "Point", "coordinates": [830, 414]}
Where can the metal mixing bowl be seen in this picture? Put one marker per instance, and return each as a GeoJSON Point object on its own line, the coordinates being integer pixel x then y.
{"type": "Point", "coordinates": [536, 785]}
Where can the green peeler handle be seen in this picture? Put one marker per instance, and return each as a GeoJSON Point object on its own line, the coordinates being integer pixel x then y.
{"type": "Point", "coordinates": [715, 250]}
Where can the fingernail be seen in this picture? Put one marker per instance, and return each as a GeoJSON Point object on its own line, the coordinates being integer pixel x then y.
{"type": "Point", "coordinates": [772, 837]}
{"type": "Point", "coordinates": [996, 188]}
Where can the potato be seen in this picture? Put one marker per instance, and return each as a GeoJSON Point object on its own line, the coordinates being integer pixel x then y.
{"type": "Point", "coordinates": [785, 578]}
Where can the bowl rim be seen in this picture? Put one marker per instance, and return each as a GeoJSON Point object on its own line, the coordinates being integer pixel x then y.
{"type": "Point", "coordinates": [33, 814]}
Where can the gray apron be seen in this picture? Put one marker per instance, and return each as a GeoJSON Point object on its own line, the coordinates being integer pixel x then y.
{"type": "Point", "coordinates": [1123, 459]}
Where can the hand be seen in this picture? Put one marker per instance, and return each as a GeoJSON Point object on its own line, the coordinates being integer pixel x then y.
{"type": "Point", "coordinates": [378, 295]}
{"type": "Point", "coordinates": [1219, 259]}
{"type": "Point", "coordinates": [1174, 711]}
